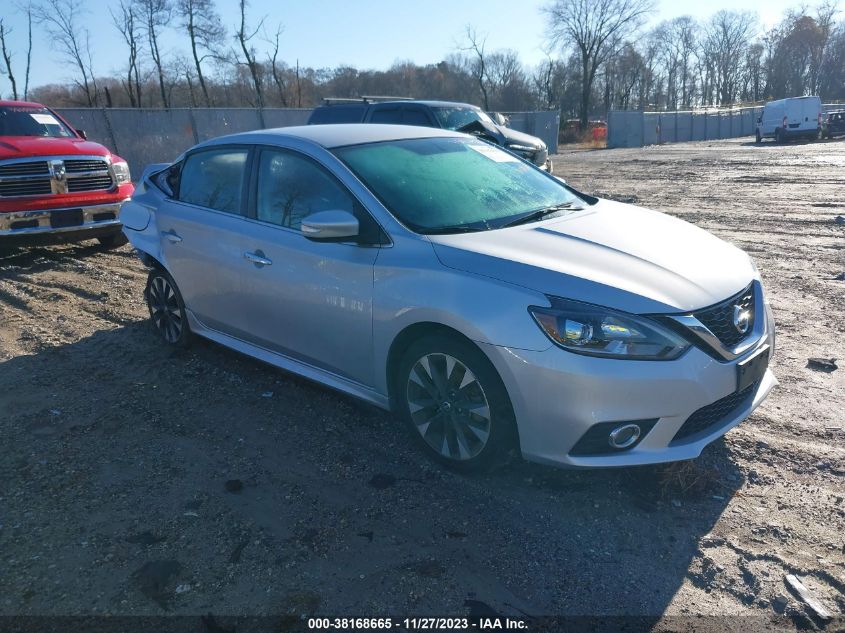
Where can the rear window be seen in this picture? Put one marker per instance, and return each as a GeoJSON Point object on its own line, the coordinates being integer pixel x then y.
{"type": "Point", "coordinates": [214, 179]}
{"type": "Point", "coordinates": [32, 121]}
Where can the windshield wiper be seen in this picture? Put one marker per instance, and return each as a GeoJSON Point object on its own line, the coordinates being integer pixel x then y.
{"type": "Point", "coordinates": [539, 214]}
{"type": "Point", "coordinates": [446, 230]}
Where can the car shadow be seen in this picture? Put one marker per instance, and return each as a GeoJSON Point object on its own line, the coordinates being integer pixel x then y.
{"type": "Point", "coordinates": [274, 495]}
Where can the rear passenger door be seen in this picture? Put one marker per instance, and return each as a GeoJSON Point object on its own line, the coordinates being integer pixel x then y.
{"type": "Point", "coordinates": [200, 233]}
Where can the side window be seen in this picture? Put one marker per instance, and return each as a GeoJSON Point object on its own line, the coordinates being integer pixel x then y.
{"type": "Point", "coordinates": [415, 116]}
{"type": "Point", "coordinates": [386, 115]}
{"type": "Point", "coordinates": [214, 179]}
{"type": "Point", "coordinates": [291, 187]}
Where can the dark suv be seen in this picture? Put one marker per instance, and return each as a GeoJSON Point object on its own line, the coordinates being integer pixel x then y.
{"type": "Point", "coordinates": [461, 117]}
{"type": "Point", "coordinates": [834, 124]}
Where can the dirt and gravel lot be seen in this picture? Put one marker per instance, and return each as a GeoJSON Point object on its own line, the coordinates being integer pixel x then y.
{"type": "Point", "coordinates": [140, 480]}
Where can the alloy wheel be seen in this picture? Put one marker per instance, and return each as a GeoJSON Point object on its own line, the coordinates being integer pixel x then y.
{"type": "Point", "coordinates": [448, 406]}
{"type": "Point", "coordinates": [164, 309]}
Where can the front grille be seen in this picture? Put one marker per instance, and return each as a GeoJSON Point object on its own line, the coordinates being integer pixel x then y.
{"type": "Point", "coordinates": [88, 183]}
{"type": "Point", "coordinates": [36, 177]}
{"type": "Point", "coordinates": [28, 187]}
{"type": "Point", "coordinates": [715, 413]}
{"type": "Point", "coordinates": [74, 166]}
{"type": "Point", "coordinates": [719, 319]}
{"type": "Point", "coordinates": [34, 168]}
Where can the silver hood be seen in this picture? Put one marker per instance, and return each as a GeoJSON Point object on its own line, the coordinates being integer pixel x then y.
{"type": "Point", "coordinates": [611, 254]}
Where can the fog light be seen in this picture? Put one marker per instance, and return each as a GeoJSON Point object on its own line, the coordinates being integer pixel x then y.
{"type": "Point", "coordinates": [624, 436]}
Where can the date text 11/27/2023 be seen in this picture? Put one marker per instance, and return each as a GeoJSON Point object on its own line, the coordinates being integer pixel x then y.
{"type": "Point", "coordinates": [418, 624]}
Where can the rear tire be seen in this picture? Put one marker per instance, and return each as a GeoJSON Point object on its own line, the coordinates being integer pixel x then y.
{"type": "Point", "coordinates": [115, 240]}
{"type": "Point", "coordinates": [167, 309]}
{"type": "Point", "coordinates": [454, 403]}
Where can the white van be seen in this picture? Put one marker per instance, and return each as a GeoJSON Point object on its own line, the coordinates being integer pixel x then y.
{"type": "Point", "coordinates": [795, 117]}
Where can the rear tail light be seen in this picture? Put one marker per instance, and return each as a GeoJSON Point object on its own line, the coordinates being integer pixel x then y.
{"type": "Point", "coordinates": [820, 118]}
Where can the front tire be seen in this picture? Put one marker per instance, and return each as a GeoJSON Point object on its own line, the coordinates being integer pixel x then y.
{"type": "Point", "coordinates": [779, 136]}
{"type": "Point", "coordinates": [455, 403]}
{"type": "Point", "coordinates": [167, 309]}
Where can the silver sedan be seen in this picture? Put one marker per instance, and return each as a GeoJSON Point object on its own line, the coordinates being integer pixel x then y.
{"type": "Point", "coordinates": [486, 302]}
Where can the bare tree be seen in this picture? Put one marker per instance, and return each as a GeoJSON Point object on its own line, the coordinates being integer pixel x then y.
{"type": "Point", "coordinates": [476, 44]}
{"type": "Point", "coordinates": [7, 58]}
{"type": "Point", "coordinates": [156, 15]}
{"type": "Point", "coordinates": [61, 19]}
{"type": "Point", "coordinates": [275, 71]}
{"type": "Point", "coordinates": [28, 9]}
{"type": "Point", "coordinates": [205, 32]}
{"type": "Point", "coordinates": [594, 28]}
{"type": "Point", "coordinates": [728, 34]}
{"type": "Point", "coordinates": [126, 20]}
{"type": "Point", "coordinates": [244, 36]}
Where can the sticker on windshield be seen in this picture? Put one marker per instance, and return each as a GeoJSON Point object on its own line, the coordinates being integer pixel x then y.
{"type": "Point", "coordinates": [45, 119]}
{"type": "Point", "coordinates": [494, 153]}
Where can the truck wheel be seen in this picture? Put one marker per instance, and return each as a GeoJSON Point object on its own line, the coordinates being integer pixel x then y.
{"type": "Point", "coordinates": [779, 136]}
{"type": "Point", "coordinates": [115, 240]}
{"type": "Point", "coordinates": [759, 138]}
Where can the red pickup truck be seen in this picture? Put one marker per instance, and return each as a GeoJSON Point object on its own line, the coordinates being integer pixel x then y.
{"type": "Point", "coordinates": [55, 185]}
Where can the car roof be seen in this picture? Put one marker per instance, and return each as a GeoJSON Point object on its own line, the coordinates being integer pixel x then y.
{"type": "Point", "coordinates": [433, 104]}
{"type": "Point", "coordinates": [28, 104]}
{"type": "Point", "coordinates": [337, 134]}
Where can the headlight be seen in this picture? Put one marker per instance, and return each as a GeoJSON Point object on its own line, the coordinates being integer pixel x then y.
{"type": "Point", "coordinates": [596, 331]}
{"type": "Point", "coordinates": [515, 147]}
{"type": "Point", "coordinates": [121, 172]}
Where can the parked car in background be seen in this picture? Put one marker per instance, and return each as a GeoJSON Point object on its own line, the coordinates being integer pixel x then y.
{"type": "Point", "coordinates": [834, 124]}
{"type": "Point", "coordinates": [490, 305]}
{"type": "Point", "coordinates": [461, 117]}
{"type": "Point", "coordinates": [54, 184]}
{"type": "Point", "coordinates": [786, 119]}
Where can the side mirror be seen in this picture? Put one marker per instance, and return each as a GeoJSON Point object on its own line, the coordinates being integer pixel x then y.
{"type": "Point", "coordinates": [330, 226]}
{"type": "Point", "coordinates": [83, 134]}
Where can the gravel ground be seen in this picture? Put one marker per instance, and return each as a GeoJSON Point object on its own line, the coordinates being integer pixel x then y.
{"type": "Point", "coordinates": [140, 480]}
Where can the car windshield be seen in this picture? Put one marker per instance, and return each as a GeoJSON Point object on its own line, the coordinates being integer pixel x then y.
{"type": "Point", "coordinates": [451, 185]}
{"type": "Point", "coordinates": [31, 121]}
{"type": "Point", "coordinates": [454, 118]}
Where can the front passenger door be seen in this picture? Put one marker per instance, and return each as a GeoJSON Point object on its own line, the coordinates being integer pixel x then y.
{"type": "Point", "coordinates": [312, 300]}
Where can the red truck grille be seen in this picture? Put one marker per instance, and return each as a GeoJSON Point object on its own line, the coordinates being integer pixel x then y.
{"type": "Point", "coordinates": [39, 177]}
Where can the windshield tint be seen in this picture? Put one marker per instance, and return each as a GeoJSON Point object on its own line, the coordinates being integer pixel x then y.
{"type": "Point", "coordinates": [455, 118]}
{"type": "Point", "coordinates": [31, 121]}
{"type": "Point", "coordinates": [433, 184]}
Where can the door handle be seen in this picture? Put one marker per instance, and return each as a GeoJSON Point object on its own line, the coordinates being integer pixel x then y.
{"type": "Point", "coordinates": [258, 258]}
{"type": "Point", "coordinates": [171, 236]}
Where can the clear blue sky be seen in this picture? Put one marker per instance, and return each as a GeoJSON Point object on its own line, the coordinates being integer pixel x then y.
{"type": "Point", "coordinates": [369, 34]}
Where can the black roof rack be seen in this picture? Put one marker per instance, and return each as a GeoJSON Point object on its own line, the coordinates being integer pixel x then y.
{"type": "Point", "coordinates": [361, 99]}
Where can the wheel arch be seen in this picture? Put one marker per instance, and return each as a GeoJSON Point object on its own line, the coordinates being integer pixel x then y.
{"type": "Point", "coordinates": [420, 329]}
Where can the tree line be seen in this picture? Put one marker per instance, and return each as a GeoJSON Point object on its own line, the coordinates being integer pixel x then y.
{"type": "Point", "coordinates": [599, 55]}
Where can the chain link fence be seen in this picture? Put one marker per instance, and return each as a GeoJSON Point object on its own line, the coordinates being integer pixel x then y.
{"type": "Point", "coordinates": [149, 136]}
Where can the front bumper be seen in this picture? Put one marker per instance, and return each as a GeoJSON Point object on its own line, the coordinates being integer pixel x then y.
{"type": "Point", "coordinates": [557, 396]}
{"type": "Point", "coordinates": [66, 223]}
